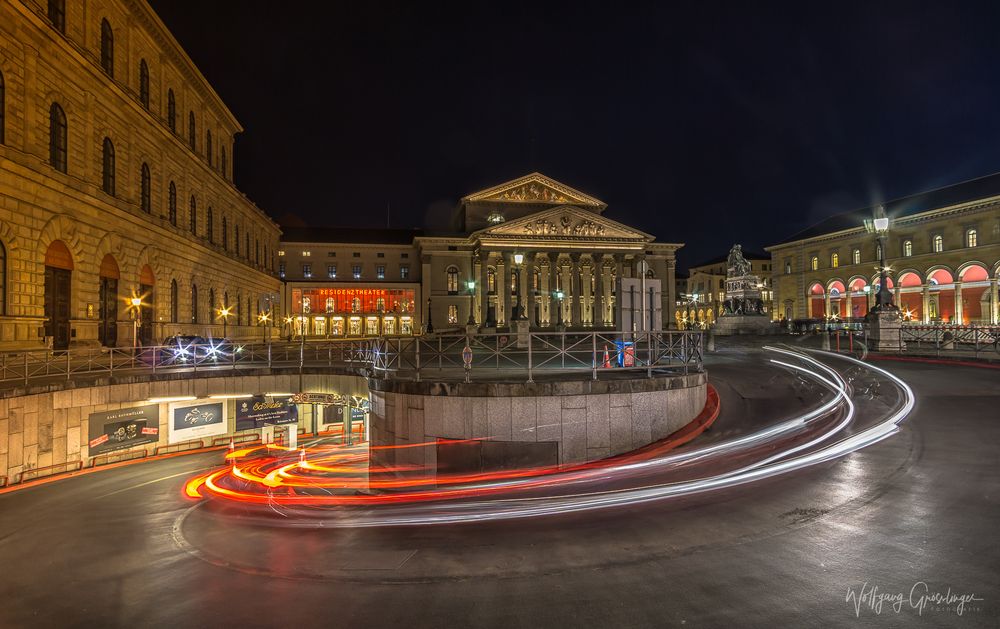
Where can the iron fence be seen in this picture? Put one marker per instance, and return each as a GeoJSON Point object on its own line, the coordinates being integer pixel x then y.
{"type": "Point", "coordinates": [483, 356]}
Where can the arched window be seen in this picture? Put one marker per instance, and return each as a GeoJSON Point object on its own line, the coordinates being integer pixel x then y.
{"type": "Point", "coordinates": [491, 280]}
{"type": "Point", "coordinates": [814, 263]}
{"type": "Point", "coordinates": [194, 303]}
{"type": "Point", "coordinates": [107, 48]}
{"type": "Point", "coordinates": [57, 137]}
{"type": "Point", "coordinates": [938, 243]}
{"type": "Point", "coordinates": [237, 239]}
{"type": "Point", "coordinates": [2, 108]}
{"type": "Point", "coordinates": [856, 256]}
{"type": "Point", "coordinates": [172, 204]}
{"type": "Point", "coordinates": [144, 83]}
{"type": "Point", "coordinates": [193, 225]}
{"type": "Point", "coordinates": [452, 276]}
{"type": "Point", "coordinates": [246, 239]}
{"type": "Point", "coordinates": [225, 235]}
{"type": "Point", "coordinates": [212, 315]}
{"type": "Point", "coordinates": [171, 111]}
{"type": "Point", "coordinates": [208, 146]}
{"type": "Point", "coordinates": [834, 260]}
{"type": "Point", "coordinates": [57, 15]}
{"type": "Point", "coordinates": [265, 254]}
{"type": "Point", "coordinates": [209, 232]}
{"type": "Point", "coordinates": [191, 130]}
{"type": "Point", "coordinates": [108, 167]}
{"type": "Point", "coordinates": [256, 251]}
{"type": "Point", "coordinates": [971, 238]}
{"type": "Point", "coordinates": [3, 279]}
{"type": "Point", "coordinates": [145, 189]}
{"type": "Point", "coordinates": [174, 311]}
{"type": "Point", "coordinates": [907, 248]}
{"type": "Point", "coordinates": [223, 163]}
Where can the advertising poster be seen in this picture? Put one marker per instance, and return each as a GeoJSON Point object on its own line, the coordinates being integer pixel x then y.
{"type": "Point", "coordinates": [124, 428]}
{"type": "Point", "coordinates": [260, 411]}
{"type": "Point", "coordinates": [194, 420]}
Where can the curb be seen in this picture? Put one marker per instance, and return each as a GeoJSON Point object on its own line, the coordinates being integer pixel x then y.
{"type": "Point", "coordinates": [955, 362]}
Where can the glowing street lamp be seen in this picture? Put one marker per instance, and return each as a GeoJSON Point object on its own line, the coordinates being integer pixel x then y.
{"type": "Point", "coordinates": [136, 303]}
{"type": "Point", "coordinates": [264, 319]}
{"type": "Point", "coordinates": [519, 305]}
{"type": "Point", "coordinates": [224, 313]}
{"type": "Point", "coordinates": [559, 295]}
{"type": "Point", "coordinates": [879, 225]}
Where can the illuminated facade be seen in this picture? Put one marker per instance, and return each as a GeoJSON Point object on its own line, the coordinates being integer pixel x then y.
{"type": "Point", "coordinates": [942, 250]}
{"type": "Point", "coordinates": [116, 184]}
{"type": "Point", "coordinates": [706, 288]}
{"type": "Point", "coordinates": [524, 248]}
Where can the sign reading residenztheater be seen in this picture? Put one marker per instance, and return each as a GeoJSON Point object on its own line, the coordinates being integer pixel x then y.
{"type": "Point", "coordinates": [260, 411]}
{"type": "Point", "coordinates": [124, 428]}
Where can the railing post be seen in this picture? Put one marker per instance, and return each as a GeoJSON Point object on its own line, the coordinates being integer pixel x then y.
{"type": "Point", "coordinates": [529, 359]}
{"type": "Point", "coordinates": [67, 365]}
{"type": "Point", "coordinates": [649, 355]}
{"type": "Point", "coordinates": [593, 347]}
{"type": "Point", "coordinates": [269, 354]}
{"type": "Point", "coordinates": [25, 368]}
{"type": "Point", "coordinates": [417, 359]}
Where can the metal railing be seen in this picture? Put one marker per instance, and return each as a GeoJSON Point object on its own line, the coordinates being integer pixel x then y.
{"type": "Point", "coordinates": [974, 338]}
{"type": "Point", "coordinates": [388, 356]}
{"type": "Point", "coordinates": [484, 356]}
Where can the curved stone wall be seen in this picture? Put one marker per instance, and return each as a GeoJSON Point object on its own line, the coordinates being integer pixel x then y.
{"type": "Point", "coordinates": [527, 424]}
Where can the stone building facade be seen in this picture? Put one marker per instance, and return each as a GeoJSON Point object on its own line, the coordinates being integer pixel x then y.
{"type": "Point", "coordinates": [942, 251]}
{"type": "Point", "coordinates": [564, 243]}
{"type": "Point", "coordinates": [706, 288]}
{"type": "Point", "coordinates": [116, 160]}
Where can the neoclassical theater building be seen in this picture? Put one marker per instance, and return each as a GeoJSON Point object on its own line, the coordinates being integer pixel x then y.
{"type": "Point", "coordinates": [531, 246]}
{"type": "Point", "coordinates": [942, 250]}
{"type": "Point", "coordinates": [116, 194]}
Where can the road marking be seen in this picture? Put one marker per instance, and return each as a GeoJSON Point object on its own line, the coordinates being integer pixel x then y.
{"type": "Point", "coordinates": [118, 491]}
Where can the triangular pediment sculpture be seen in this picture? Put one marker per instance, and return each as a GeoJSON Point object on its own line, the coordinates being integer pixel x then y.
{"type": "Point", "coordinates": [535, 188]}
{"type": "Point", "coordinates": [565, 222]}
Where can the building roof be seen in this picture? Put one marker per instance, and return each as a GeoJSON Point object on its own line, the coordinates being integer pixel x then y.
{"type": "Point", "coordinates": [749, 255]}
{"type": "Point", "coordinates": [963, 192]}
{"type": "Point", "coordinates": [350, 235]}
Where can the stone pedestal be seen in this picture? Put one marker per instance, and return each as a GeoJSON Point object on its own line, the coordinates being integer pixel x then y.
{"type": "Point", "coordinates": [522, 328]}
{"type": "Point", "coordinates": [729, 325]}
{"type": "Point", "coordinates": [884, 329]}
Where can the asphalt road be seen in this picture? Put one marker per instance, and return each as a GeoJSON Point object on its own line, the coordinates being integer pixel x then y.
{"type": "Point", "coordinates": [123, 547]}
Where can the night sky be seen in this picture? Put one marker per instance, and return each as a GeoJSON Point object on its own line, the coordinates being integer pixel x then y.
{"type": "Point", "coordinates": [704, 123]}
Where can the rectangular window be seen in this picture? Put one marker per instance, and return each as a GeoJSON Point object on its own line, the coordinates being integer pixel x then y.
{"type": "Point", "coordinates": [306, 254]}
{"type": "Point", "coordinates": [331, 254]}
{"type": "Point", "coordinates": [281, 252]}
{"type": "Point", "coordinates": [380, 272]}
{"type": "Point", "coordinates": [453, 314]}
{"type": "Point", "coordinates": [404, 272]}
{"type": "Point", "coordinates": [356, 271]}
{"type": "Point", "coordinates": [281, 269]}
{"type": "Point", "coordinates": [788, 267]}
{"type": "Point", "coordinates": [404, 255]}
{"type": "Point", "coordinates": [856, 256]}
{"type": "Point", "coordinates": [331, 271]}
{"type": "Point", "coordinates": [307, 270]}
{"type": "Point", "coordinates": [356, 255]}
{"type": "Point", "coordinates": [380, 255]}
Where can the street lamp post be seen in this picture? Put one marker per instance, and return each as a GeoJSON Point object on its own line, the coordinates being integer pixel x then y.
{"type": "Point", "coordinates": [224, 313]}
{"type": "Point", "coordinates": [264, 319]}
{"type": "Point", "coordinates": [471, 284]}
{"type": "Point", "coordinates": [879, 225]}
{"type": "Point", "coordinates": [519, 304]}
{"type": "Point", "coordinates": [288, 322]}
{"type": "Point", "coordinates": [136, 312]}
{"type": "Point", "coordinates": [559, 295]}
{"type": "Point", "coordinates": [430, 323]}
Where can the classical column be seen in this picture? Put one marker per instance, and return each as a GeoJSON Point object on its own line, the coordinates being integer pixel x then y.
{"type": "Point", "coordinates": [826, 301]}
{"type": "Point", "coordinates": [994, 315]}
{"type": "Point", "coordinates": [484, 287]}
{"type": "Point", "coordinates": [503, 290]}
{"type": "Point", "coordinates": [553, 301]}
{"type": "Point", "coordinates": [848, 311]}
{"type": "Point", "coordinates": [527, 290]}
{"type": "Point", "coordinates": [619, 259]}
{"type": "Point", "coordinates": [575, 306]}
{"type": "Point", "coordinates": [598, 265]}
{"type": "Point", "coordinates": [925, 303]}
{"type": "Point", "coordinates": [958, 319]}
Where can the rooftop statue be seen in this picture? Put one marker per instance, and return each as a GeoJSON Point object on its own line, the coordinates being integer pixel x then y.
{"type": "Point", "coordinates": [736, 263]}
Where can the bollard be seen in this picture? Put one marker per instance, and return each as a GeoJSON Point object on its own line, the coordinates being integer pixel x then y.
{"type": "Point", "coordinates": [826, 340]}
{"type": "Point", "coordinates": [711, 340]}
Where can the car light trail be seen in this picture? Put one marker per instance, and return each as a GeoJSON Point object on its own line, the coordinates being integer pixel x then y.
{"type": "Point", "coordinates": [325, 486]}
